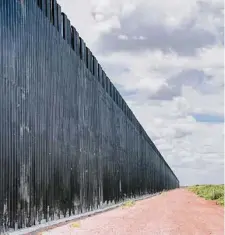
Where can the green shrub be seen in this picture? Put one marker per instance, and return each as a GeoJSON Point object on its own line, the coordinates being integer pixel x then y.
{"type": "Point", "coordinates": [209, 192]}
{"type": "Point", "coordinates": [220, 201]}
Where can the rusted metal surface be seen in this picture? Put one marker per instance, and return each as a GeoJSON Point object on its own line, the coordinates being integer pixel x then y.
{"type": "Point", "coordinates": [68, 140]}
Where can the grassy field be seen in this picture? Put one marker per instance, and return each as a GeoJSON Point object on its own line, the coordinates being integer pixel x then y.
{"type": "Point", "coordinates": [209, 192]}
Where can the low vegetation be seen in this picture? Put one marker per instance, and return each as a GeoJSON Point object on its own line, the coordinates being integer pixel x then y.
{"type": "Point", "coordinates": [128, 203]}
{"type": "Point", "coordinates": [209, 192]}
{"type": "Point", "coordinates": [75, 225]}
{"type": "Point", "coordinates": [163, 192]}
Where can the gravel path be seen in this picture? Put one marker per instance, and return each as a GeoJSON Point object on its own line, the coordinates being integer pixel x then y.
{"type": "Point", "coordinates": [177, 212]}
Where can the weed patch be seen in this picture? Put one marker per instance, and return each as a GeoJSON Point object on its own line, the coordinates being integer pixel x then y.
{"type": "Point", "coordinates": [75, 225]}
{"type": "Point", "coordinates": [209, 192]}
{"type": "Point", "coordinates": [128, 204]}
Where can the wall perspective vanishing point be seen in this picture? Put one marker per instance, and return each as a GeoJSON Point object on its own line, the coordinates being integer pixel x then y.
{"type": "Point", "coordinates": [68, 140]}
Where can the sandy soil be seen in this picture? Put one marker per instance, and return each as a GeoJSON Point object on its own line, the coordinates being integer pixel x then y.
{"type": "Point", "coordinates": [177, 212]}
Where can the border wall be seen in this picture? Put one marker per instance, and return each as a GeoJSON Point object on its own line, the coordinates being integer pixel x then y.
{"type": "Point", "coordinates": [68, 140]}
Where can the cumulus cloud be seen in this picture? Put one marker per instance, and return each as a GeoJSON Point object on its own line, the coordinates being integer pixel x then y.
{"type": "Point", "coordinates": [198, 26]}
{"type": "Point", "coordinates": [166, 58]}
{"type": "Point", "coordinates": [123, 37]}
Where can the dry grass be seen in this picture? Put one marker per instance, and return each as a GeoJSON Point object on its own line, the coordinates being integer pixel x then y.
{"type": "Point", "coordinates": [75, 225]}
{"type": "Point", "coordinates": [128, 204]}
{"type": "Point", "coordinates": [45, 233]}
{"type": "Point", "coordinates": [163, 192]}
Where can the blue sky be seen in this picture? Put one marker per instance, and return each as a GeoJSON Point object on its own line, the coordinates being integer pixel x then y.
{"type": "Point", "coordinates": [208, 118]}
{"type": "Point", "coordinates": [166, 58]}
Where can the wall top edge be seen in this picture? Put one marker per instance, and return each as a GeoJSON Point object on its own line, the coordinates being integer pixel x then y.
{"type": "Point", "coordinates": [133, 119]}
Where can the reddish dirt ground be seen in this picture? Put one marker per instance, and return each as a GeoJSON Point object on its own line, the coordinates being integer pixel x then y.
{"type": "Point", "coordinates": [177, 212]}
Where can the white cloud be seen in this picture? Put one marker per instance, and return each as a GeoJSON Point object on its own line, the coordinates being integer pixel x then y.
{"type": "Point", "coordinates": [123, 37]}
{"type": "Point", "coordinates": [139, 38]}
{"type": "Point", "coordinates": [205, 104]}
{"type": "Point", "coordinates": [99, 17]}
{"type": "Point", "coordinates": [193, 149]}
{"type": "Point", "coordinates": [161, 10]}
{"type": "Point", "coordinates": [81, 17]}
{"type": "Point", "coordinates": [109, 24]}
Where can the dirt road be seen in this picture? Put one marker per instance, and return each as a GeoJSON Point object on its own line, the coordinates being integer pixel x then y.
{"type": "Point", "coordinates": [177, 212]}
